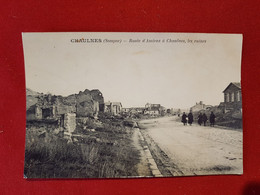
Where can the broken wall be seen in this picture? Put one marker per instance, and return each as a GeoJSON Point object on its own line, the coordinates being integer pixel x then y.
{"type": "Point", "coordinates": [34, 113]}
{"type": "Point", "coordinates": [88, 102]}
{"type": "Point", "coordinates": [70, 122]}
{"type": "Point", "coordinates": [63, 109]}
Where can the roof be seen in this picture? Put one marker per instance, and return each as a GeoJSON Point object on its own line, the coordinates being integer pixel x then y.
{"type": "Point", "coordinates": [236, 84]}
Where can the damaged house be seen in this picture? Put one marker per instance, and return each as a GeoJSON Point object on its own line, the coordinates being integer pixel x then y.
{"type": "Point", "coordinates": [153, 109]}
{"type": "Point", "coordinates": [200, 106]}
{"type": "Point", "coordinates": [62, 110]}
{"type": "Point", "coordinates": [51, 109]}
{"type": "Point", "coordinates": [114, 108]}
{"type": "Point", "coordinates": [89, 103]}
{"type": "Point", "coordinates": [137, 110]}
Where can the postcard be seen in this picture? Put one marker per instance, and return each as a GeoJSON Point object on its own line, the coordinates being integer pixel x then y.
{"type": "Point", "coordinates": [126, 105]}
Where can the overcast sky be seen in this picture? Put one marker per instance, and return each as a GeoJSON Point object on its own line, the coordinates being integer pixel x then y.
{"type": "Point", "coordinates": [176, 75]}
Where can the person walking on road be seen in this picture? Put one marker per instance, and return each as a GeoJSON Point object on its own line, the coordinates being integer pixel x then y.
{"type": "Point", "coordinates": [190, 118]}
{"type": "Point", "coordinates": [204, 119]}
{"type": "Point", "coordinates": [184, 118]}
{"type": "Point", "coordinates": [212, 119]}
{"type": "Point", "coordinates": [200, 119]}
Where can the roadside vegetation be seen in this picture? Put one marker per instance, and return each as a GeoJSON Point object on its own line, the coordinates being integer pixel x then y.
{"type": "Point", "coordinates": [98, 149]}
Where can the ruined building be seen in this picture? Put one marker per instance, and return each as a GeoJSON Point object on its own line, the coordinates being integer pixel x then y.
{"type": "Point", "coordinates": [153, 109]}
{"type": "Point", "coordinates": [198, 106]}
{"type": "Point", "coordinates": [51, 108]}
{"type": "Point", "coordinates": [114, 108]}
{"type": "Point", "coordinates": [63, 110]}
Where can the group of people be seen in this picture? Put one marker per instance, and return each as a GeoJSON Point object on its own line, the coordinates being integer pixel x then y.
{"type": "Point", "coordinates": [202, 119]}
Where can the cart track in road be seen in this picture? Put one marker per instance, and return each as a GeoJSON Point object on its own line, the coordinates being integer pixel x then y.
{"type": "Point", "coordinates": [192, 150]}
{"type": "Point", "coordinates": [164, 163]}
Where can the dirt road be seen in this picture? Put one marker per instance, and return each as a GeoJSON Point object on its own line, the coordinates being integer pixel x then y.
{"type": "Point", "coordinates": [192, 150]}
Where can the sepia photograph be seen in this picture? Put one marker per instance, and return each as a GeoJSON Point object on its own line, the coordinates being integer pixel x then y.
{"type": "Point", "coordinates": [130, 105]}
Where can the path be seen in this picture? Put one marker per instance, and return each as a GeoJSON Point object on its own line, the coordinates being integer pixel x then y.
{"type": "Point", "coordinates": [193, 150]}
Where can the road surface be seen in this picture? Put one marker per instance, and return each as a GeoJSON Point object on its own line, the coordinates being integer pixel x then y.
{"type": "Point", "coordinates": [193, 150]}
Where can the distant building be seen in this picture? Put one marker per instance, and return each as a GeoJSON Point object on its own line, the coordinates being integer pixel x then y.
{"type": "Point", "coordinates": [153, 109]}
{"type": "Point", "coordinates": [125, 110]}
{"type": "Point", "coordinates": [232, 97]}
{"type": "Point", "coordinates": [137, 110]}
{"type": "Point", "coordinates": [198, 106]}
{"type": "Point", "coordinates": [114, 108]}
{"type": "Point", "coordinates": [149, 106]}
